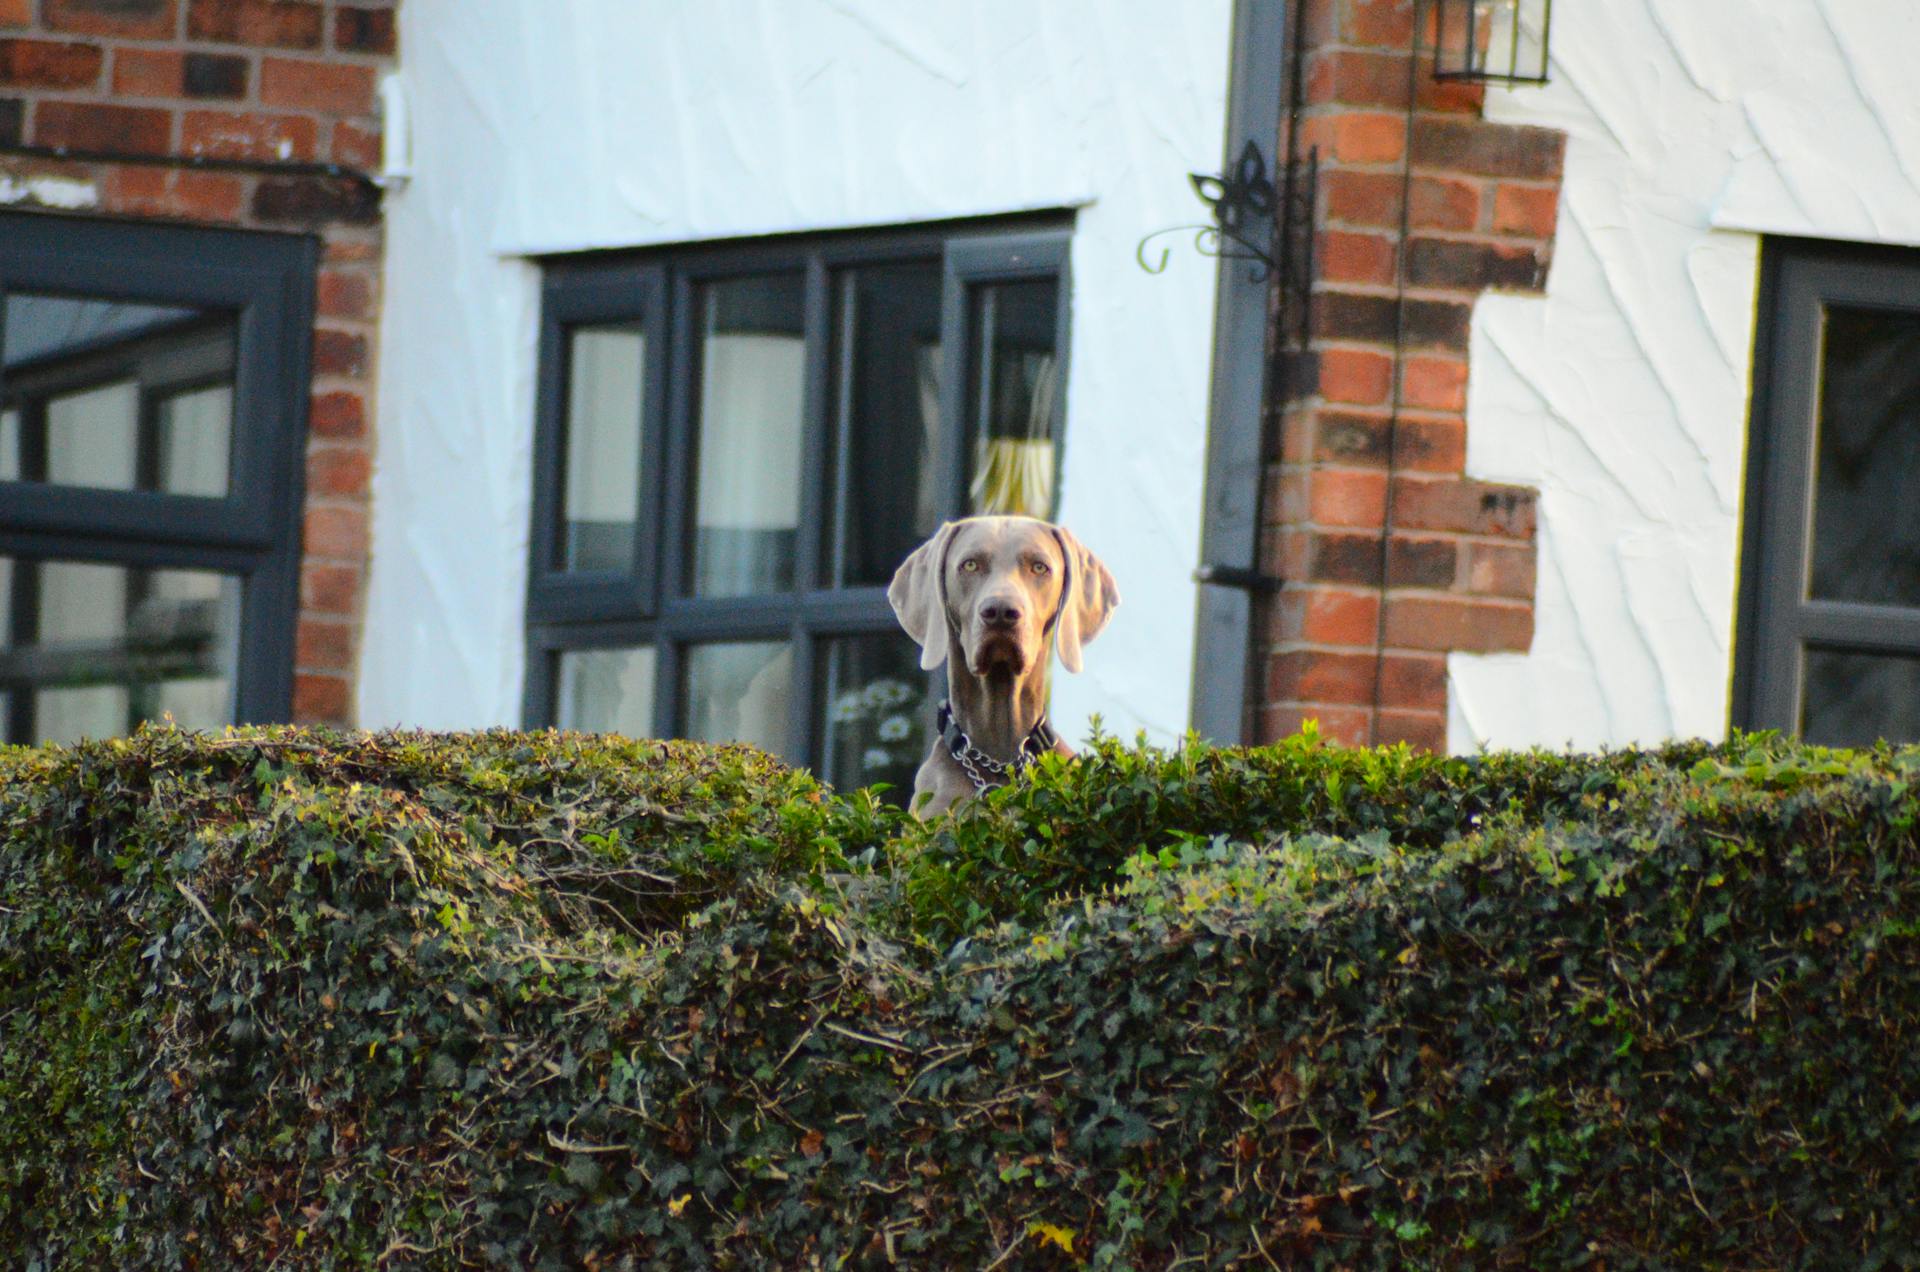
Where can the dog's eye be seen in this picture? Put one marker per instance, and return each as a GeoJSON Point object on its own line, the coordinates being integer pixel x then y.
{"type": "Point", "coordinates": [1041, 567]}
{"type": "Point", "coordinates": [970, 566]}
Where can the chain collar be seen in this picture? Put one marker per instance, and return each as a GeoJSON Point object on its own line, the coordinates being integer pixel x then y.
{"type": "Point", "coordinates": [982, 769]}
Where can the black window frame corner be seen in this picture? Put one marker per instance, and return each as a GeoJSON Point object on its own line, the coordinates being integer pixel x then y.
{"type": "Point", "coordinates": [267, 280]}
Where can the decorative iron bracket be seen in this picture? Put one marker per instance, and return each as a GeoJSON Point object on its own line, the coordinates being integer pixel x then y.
{"type": "Point", "coordinates": [1252, 220]}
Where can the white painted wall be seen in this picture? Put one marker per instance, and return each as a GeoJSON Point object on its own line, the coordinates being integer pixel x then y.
{"type": "Point", "coordinates": [555, 125]}
{"type": "Point", "coordinates": [1622, 395]}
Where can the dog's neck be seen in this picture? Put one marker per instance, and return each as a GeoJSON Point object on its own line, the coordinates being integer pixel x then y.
{"type": "Point", "coordinates": [999, 710]}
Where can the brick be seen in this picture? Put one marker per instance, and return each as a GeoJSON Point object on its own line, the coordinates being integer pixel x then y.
{"type": "Point", "coordinates": [1385, 23]}
{"type": "Point", "coordinates": [1343, 726]}
{"type": "Point", "coordinates": [1433, 563]}
{"type": "Point", "coordinates": [209, 196]}
{"type": "Point", "coordinates": [1358, 376]}
{"type": "Point", "coordinates": [282, 24]}
{"type": "Point", "coordinates": [1431, 446]}
{"type": "Point", "coordinates": [1474, 266]}
{"type": "Point", "coordinates": [330, 87]}
{"type": "Point", "coordinates": [1449, 96]}
{"type": "Point", "coordinates": [363, 31]}
{"type": "Point", "coordinates": [1464, 507]}
{"type": "Point", "coordinates": [1347, 498]}
{"type": "Point", "coordinates": [16, 13]}
{"type": "Point", "coordinates": [337, 415]}
{"type": "Point", "coordinates": [330, 589]}
{"type": "Point", "coordinates": [1355, 258]}
{"type": "Point", "coordinates": [1353, 77]}
{"type": "Point", "coordinates": [1313, 675]}
{"type": "Point", "coordinates": [345, 295]}
{"type": "Point", "coordinates": [138, 191]}
{"type": "Point", "coordinates": [324, 646]}
{"type": "Point", "coordinates": [50, 63]}
{"type": "Point", "coordinates": [1456, 623]}
{"type": "Point", "coordinates": [320, 699]}
{"type": "Point", "coordinates": [1434, 384]}
{"type": "Point", "coordinates": [1421, 730]}
{"type": "Point", "coordinates": [247, 135]}
{"type": "Point", "coordinates": [1368, 138]}
{"type": "Point", "coordinates": [1500, 569]}
{"type": "Point", "coordinates": [1371, 316]}
{"type": "Point", "coordinates": [355, 146]}
{"type": "Point", "coordinates": [338, 470]}
{"type": "Point", "coordinates": [1414, 681]}
{"type": "Point", "coordinates": [139, 19]}
{"type": "Point", "coordinates": [1446, 324]}
{"type": "Point", "coordinates": [1526, 211]}
{"type": "Point", "coordinates": [1443, 203]}
{"type": "Point", "coordinates": [139, 72]}
{"type": "Point", "coordinates": [215, 75]}
{"type": "Point", "coordinates": [1345, 558]}
{"type": "Point", "coordinates": [339, 353]}
{"type": "Point", "coordinates": [1371, 199]}
{"type": "Point", "coordinates": [341, 247]}
{"type": "Point", "coordinates": [111, 129]}
{"type": "Point", "coordinates": [1286, 496]}
{"type": "Point", "coordinates": [1331, 617]}
{"type": "Point", "coordinates": [1342, 437]}
{"type": "Point", "coordinates": [315, 201]}
{"type": "Point", "coordinates": [1477, 148]}
{"type": "Point", "coordinates": [337, 532]}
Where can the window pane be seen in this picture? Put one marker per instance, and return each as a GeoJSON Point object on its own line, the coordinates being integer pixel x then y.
{"type": "Point", "coordinates": [93, 437]}
{"type": "Point", "coordinates": [1855, 699]}
{"type": "Point", "coordinates": [738, 692]}
{"type": "Point", "coordinates": [107, 646]}
{"type": "Point", "coordinates": [879, 713]}
{"type": "Point", "coordinates": [747, 491]}
{"type": "Point", "coordinates": [116, 396]}
{"type": "Point", "coordinates": [606, 367]}
{"type": "Point", "coordinates": [607, 691]}
{"type": "Point", "coordinates": [1866, 504]}
{"type": "Point", "coordinates": [194, 428]}
{"type": "Point", "coordinates": [885, 396]}
{"type": "Point", "coordinates": [1014, 396]}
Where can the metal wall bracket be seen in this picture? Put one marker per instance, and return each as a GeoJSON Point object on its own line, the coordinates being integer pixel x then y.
{"type": "Point", "coordinates": [1252, 219]}
{"type": "Point", "coordinates": [1240, 576]}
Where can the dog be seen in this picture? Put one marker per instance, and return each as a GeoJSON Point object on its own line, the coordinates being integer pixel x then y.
{"type": "Point", "coordinates": [993, 598]}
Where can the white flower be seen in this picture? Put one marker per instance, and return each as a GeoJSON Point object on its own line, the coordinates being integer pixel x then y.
{"type": "Point", "coordinates": [894, 729]}
{"type": "Point", "coordinates": [875, 758]}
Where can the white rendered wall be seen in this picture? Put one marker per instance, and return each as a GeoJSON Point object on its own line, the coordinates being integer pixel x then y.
{"type": "Point", "coordinates": [1623, 394]}
{"type": "Point", "coordinates": [555, 125]}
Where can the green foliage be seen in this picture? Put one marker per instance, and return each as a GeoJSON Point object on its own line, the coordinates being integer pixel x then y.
{"type": "Point", "coordinates": [544, 1000]}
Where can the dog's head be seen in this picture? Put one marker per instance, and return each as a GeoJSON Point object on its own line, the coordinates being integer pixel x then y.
{"type": "Point", "coordinates": [1000, 586]}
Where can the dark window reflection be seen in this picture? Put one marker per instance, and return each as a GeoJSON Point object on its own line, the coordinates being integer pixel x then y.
{"type": "Point", "coordinates": [116, 396]}
{"type": "Point", "coordinates": [1856, 699]}
{"type": "Point", "coordinates": [885, 400]}
{"type": "Point", "coordinates": [879, 713]}
{"type": "Point", "coordinates": [1866, 504]}
{"type": "Point", "coordinates": [1014, 396]}
{"type": "Point", "coordinates": [747, 492]}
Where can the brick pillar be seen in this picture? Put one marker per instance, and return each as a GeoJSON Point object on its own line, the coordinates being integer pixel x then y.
{"type": "Point", "coordinates": [1368, 504]}
{"type": "Point", "coordinates": [289, 80]}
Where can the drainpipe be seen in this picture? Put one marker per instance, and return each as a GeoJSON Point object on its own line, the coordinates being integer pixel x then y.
{"type": "Point", "coordinates": [1226, 673]}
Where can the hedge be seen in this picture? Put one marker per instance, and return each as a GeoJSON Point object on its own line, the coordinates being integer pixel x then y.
{"type": "Point", "coordinates": [302, 999]}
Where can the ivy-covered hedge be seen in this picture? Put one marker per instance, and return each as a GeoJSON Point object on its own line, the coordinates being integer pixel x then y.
{"type": "Point", "coordinates": [298, 999]}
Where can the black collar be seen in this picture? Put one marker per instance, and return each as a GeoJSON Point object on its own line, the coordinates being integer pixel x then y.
{"type": "Point", "coordinates": [985, 771]}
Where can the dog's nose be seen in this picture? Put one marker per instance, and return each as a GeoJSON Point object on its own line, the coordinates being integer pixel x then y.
{"type": "Point", "coordinates": [999, 612]}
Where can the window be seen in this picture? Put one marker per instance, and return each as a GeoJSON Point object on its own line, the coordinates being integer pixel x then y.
{"type": "Point", "coordinates": [152, 391]}
{"type": "Point", "coordinates": [1829, 641]}
{"type": "Point", "coordinates": [735, 449]}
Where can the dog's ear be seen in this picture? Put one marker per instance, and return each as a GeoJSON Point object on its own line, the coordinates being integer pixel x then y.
{"type": "Point", "coordinates": [1090, 600]}
{"type": "Point", "coordinates": [916, 600]}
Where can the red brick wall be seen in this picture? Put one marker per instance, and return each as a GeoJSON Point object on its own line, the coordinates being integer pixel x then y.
{"type": "Point", "coordinates": [254, 79]}
{"type": "Point", "coordinates": [1372, 441]}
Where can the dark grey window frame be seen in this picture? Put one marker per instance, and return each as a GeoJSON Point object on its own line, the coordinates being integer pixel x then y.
{"type": "Point", "coordinates": [651, 605]}
{"type": "Point", "coordinates": [267, 281]}
{"type": "Point", "coordinates": [1799, 279]}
